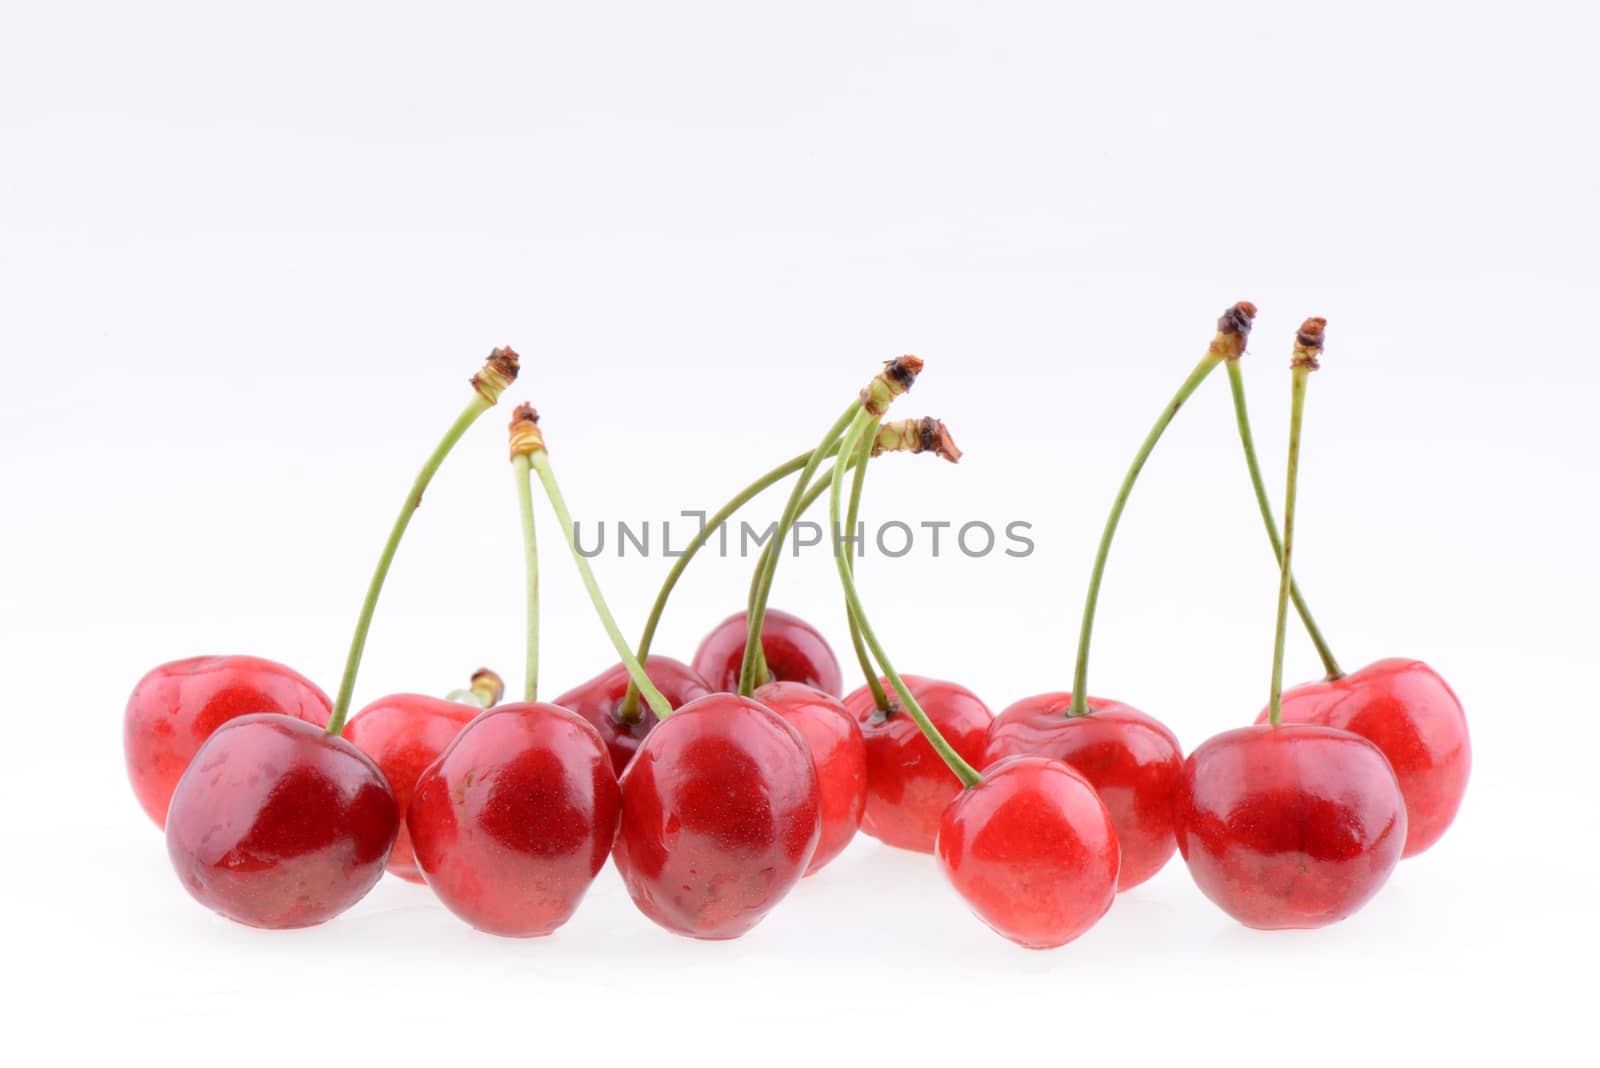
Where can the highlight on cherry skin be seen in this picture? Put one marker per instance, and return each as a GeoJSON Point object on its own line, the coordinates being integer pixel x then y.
{"type": "Point", "coordinates": [179, 704]}
{"type": "Point", "coordinates": [600, 699]}
{"type": "Point", "coordinates": [1409, 712]}
{"type": "Point", "coordinates": [795, 651]}
{"type": "Point", "coordinates": [908, 784]}
{"type": "Point", "coordinates": [279, 824]}
{"type": "Point", "coordinates": [1131, 759]}
{"type": "Point", "coordinates": [516, 817]}
{"type": "Point", "coordinates": [1297, 825]}
{"type": "Point", "coordinates": [720, 817]}
{"type": "Point", "coordinates": [1032, 850]}
{"type": "Point", "coordinates": [837, 753]}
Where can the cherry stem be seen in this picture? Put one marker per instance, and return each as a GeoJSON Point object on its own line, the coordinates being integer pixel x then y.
{"type": "Point", "coordinates": [498, 372]}
{"type": "Point", "coordinates": [485, 690]}
{"type": "Point", "coordinates": [863, 454]}
{"type": "Point", "coordinates": [968, 775]}
{"type": "Point", "coordinates": [1264, 504]}
{"type": "Point", "coordinates": [540, 461]}
{"type": "Point", "coordinates": [523, 470]}
{"type": "Point", "coordinates": [1307, 349]}
{"type": "Point", "coordinates": [1232, 330]}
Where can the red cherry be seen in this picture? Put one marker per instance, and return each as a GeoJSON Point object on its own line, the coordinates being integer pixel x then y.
{"type": "Point", "coordinates": [279, 824]}
{"type": "Point", "coordinates": [908, 784]}
{"type": "Point", "coordinates": [837, 753]}
{"type": "Point", "coordinates": [514, 820]}
{"type": "Point", "coordinates": [796, 652]}
{"type": "Point", "coordinates": [1033, 851]}
{"type": "Point", "coordinates": [598, 700]}
{"type": "Point", "coordinates": [404, 733]}
{"type": "Point", "coordinates": [1131, 760]}
{"type": "Point", "coordinates": [1290, 826]}
{"type": "Point", "coordinates": [719, 817]}
{"type": "Point", "coordinates": [1405, 709]}
{"type": "Point", "coordinates": [177, 706]}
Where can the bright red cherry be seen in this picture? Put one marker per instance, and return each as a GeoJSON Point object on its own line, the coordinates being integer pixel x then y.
{"type": "Point", "coordinates": [404, 733]}
{"type": "Point", "coordinates": [1033, 851]}
{"type": "Point", "coordinates": [279, 824]}
{"type": "Point", "coordinates": [1289, 826]}
{"type": "Point", "coordinates": [177, 706]}
{"type": "Point", "coordinates": [719, 817]}
{"type": "Point", "coordinates": [795, 650]}
{"type": "Point", "coordinates": [908, 784]}
{"type": "Point", "coordinates": [514, 820]}
{"type": "Point", "coordinates": [837, 753]}
{"type": "Point", "coordinates": [1405, 709]}
{"type": "Point", "coordinates": [1131, 760]}
{"type": "Point", "coordinates": [600, 699]}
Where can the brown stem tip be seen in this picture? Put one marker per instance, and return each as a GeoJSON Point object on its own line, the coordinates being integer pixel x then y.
{"type": "Point", "coordinates": [898, 376]}
{"type": "Point", "coordinates": [917, 435]}
{"type": "Point", "coordinates": [1233, 330]}
{"type": "Point", "coordinates": [488, 685]}
{"type": "Point", "coordinates": [526, 437]}
{"type": "Point", "coordinates": [499, 371]}
{"type": "Point", "coordinates": [1308, 344]}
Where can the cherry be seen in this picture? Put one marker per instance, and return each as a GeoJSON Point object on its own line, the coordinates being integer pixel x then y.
{"type": "Point", "coordinates": [1033, 851]}
{"type": "Point", "coordinates": [908, 784]}
{"type": "Point", "coordinates": [178, 705]}
{"type": "Point", "coordinates": [278, 824]}
{"type": "Point", "coordinates": [720, 817]}
{"type": "Point", "coordinates": [1131, 760]}
{"type": "Point", "coordinates": [600, 701]}
{"type": "Point", "coordinates": [515, 818]}
{"type": "Point", "coordinates": [1411, 714]}
{"type": "Point", "coordinates": [795, 652]}
{"type": "Point", "coordinates": [1289, 826]}
{"type": "Point", "coordinates": [838, 754]}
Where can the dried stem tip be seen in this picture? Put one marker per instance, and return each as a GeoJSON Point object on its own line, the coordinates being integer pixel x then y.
{"type": "Point", "coordinates": [896, 377]}
{"type": "Point", "coordinates": [1233, 330]}
{"type": "Point", "coordinates": [488, 685]}
{"type": "Point", "coordinates": [526, 437]}
{"type": "Point", "coordinates": [916, 435]}
{"type": "Point", "coordinates": [499, 371]}
{"type": "Point", "coordinates": [1308, 344]}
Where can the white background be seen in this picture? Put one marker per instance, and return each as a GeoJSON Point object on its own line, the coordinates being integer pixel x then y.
{"type": "Point", "coordinates": [248, 257]}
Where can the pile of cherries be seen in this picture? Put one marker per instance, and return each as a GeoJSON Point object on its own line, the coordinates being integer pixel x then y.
{"type": "Point", "coordinates": [715, 786]}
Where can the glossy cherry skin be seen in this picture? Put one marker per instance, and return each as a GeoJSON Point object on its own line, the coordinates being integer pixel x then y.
{"type": "Point", "coordinates": [908, 784]}
{"type": "Point", "coordinates": [1405, 709]}
{"type": "Point", "coordinates": [514, 820]}
{"type": "Point", "coordinates": [837, 753]}
{"type": "Point", "coordinates": [178, 705]}
{"type": "Point", "coordinates": [719, 817]}
{"type": "Point", "coordinates": [598, 700]}
{"type": "Point", "coordinates": [796, 652]}
{"type": "Point", "coordinates": [1033, 851]}
{"type": "Point", "coordinates": [279, 824]}
{"type": "Point", "coordinates": [1131, 759]}
{"type": "Point", "coordinates": [1289, 826]}
{"type": "Point", "coordinates": [404, 733]}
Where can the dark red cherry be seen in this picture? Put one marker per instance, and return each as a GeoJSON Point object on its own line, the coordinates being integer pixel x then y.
{"type": "Point", "coordinates": [719, 817]}
{"type": "Point", "coordinates": [1131, 760]}
{"type": "Point", "coordinates": [1290, 826]}
{"type": "Point", "coordinates": [404, 733]}
{"type": "Point", "coordinates": [279, 824]}
{"type": "Point", "coordinates": [599, 699]}
{"type": "Point", "coordinates": [1405, 709]}
{"type": "Point", "coordinates": [1033, 851]}
{"type": "Point", "coordinates": [514, 820]}
{"type": "Point", "coordinates": [795, 650]}
{"type": "Point", "coordinates": [908, 784]}
{"type": "Point", "coordinates": [837, 753]}
{"type": "Point", "coordinates": [177, 706]}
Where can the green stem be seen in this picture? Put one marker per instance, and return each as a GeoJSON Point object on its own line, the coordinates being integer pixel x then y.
{"type": "Point", "coordinates": [1297, 404]}
{"type": "Point", "coordinates": [862, 455]}
{"type": "Point", "coordinates": [968, 775]}
{"type": "Point", "coordinates": [758, 606]}
{"type": "Point", "coordinates": [658, 703]}
{"type": "Point", "coordinates": [1080, 675]}
{"type": "Point", "coordinates": [358, 641]}
{"type": "Point", "coordinates": [1241, 413]}
{"type": "Point", "coordinates": [522, 468]}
